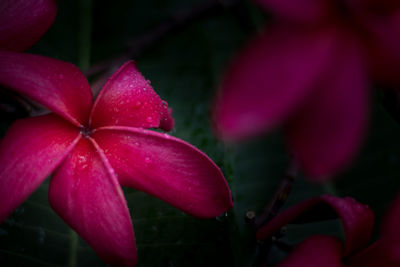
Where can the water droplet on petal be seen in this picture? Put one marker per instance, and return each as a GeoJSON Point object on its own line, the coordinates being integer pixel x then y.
{"type": "Point", "coordinates": [136, 144]}
{"type": "Point", "coordinates": [147, 160]}
{"type": "Point", "coordinates": [149, 119]}
{"type": "Point", "coordinates": [144, 88]}
{"type": "Point", "coordinates": [148, 81]}
{"type": "Point", "coordinates": [138, 103]}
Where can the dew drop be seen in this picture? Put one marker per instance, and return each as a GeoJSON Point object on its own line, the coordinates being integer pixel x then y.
{"type": "Point", "coordinates": [147, 160]}
{"type": "Point", "coordinates": [148, 81]}
{"type": "Point", "coordinates": [81, 159]}
{"type": "Point", "coordinates": [138, 103]}
{"type": "Point", "coordinates": [144, 88]}
{"type": "Point", "coordinates": [136, 144]}
{"type": "Point", "coordinates": [149, 119]}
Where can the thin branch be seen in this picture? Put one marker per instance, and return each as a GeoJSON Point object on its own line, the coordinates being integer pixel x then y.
{"type": "Point", "coordinates": [279, 199]}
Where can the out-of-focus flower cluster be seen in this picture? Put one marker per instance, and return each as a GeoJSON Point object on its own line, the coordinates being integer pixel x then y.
{"type": "Point", "coordinates": [310, 71]}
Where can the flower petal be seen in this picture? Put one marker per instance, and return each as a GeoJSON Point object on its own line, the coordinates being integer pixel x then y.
{"type": "Point", "coordinates": [167, 168]}
{"type": "Point", "coordinates": [86, 194]}
{"type": "Point", "coordinates": [167, 121]}
{"type": "Point", "coordinates": [22, 22]}
{"type": "Point", "coordinates": [29, 152]}
{"type": "Point", "coordinates": [381, 253]}
{"type": "Point", "coordinates": [298, 10]}
{"type": "Point", "coordinates": [326, 133]}
{"type": "Point", "coordinates": [127, 99]}
{"type": "Point", "coordinates": [357, 219]}
{"type": "Point", "coordinates": [53, 83]}
{"type": "Point", "coordinates": [272, 76]}
{"type": "Point", "coordinates": [316, 251]}
{"type": "Point", "coordinates": [383, 47]}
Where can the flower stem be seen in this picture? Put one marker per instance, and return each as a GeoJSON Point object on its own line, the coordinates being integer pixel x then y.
{"type": "Point", "coordinates": [73, 248]}
{"type": "Point", "coordinates": [85, 30]}
{"type": "Point", "coordinates": [279, 199]}
{"type": "Point", "coordinates": [273, 208]}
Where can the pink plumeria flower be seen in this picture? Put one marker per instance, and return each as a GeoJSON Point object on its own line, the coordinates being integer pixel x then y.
{"type": "Point", "coordinates": [309, 71]}
{"type": "Point", "coordinates": [23, 22]}
{"type": "Point", "coordinates": [328, 251]}
{"type": "Point", "coordinates": [92, 150]}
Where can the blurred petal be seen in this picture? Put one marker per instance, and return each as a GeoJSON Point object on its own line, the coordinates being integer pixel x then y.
{"type": "Point", "coordinates": [381, 253]}
{"type": "Point", "coordinates": [167, 168]}
{"type": "Point", "coordinates": [383, 47]}
{"type": "Point", "coordinates": [85, 193]}
{"type": "Point", "coordinates": [272, 76]}
{"type": "Point", "coordinates": [316, 251]}
{"type": "Point", "coordinates": [326, 133]}
{"type": "Point", "coordinates": [298, 10]}
{"type": "Point", "coordinates": [23, 22]}
{"type": "Point", "coordinates": [58, 85]}
{"type": "Point", "coordinates": [31, 149]}
{"type": "Point", "coordinates": [127, 99]}
{"type": "Point", "coordinates": [357, 219]}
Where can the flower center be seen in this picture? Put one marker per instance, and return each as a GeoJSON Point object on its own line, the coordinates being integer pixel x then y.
{"type": "Point", "coordinates": [86, 131]}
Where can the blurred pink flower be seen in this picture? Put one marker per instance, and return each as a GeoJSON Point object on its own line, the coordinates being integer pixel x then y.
{"type": "Point", "coordinates": [328, 251]}
{"type": "Point", "coordinates": [23, 22]}
{"type": "Point", "coordinates": [93, 149]}
{"type": "Point", "coordinates": [309, 71]}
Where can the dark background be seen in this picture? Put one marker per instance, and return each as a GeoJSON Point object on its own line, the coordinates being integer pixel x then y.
{"type": "Point", "coordinates": [185, 68]}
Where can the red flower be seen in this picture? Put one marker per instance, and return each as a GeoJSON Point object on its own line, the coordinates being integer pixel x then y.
{"type": "Point", "coordinates": [310, 72]}
{"type": "Point", "coordinates": [357, 221]}
{"type": "Point", "coordinates": [93, 149]}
